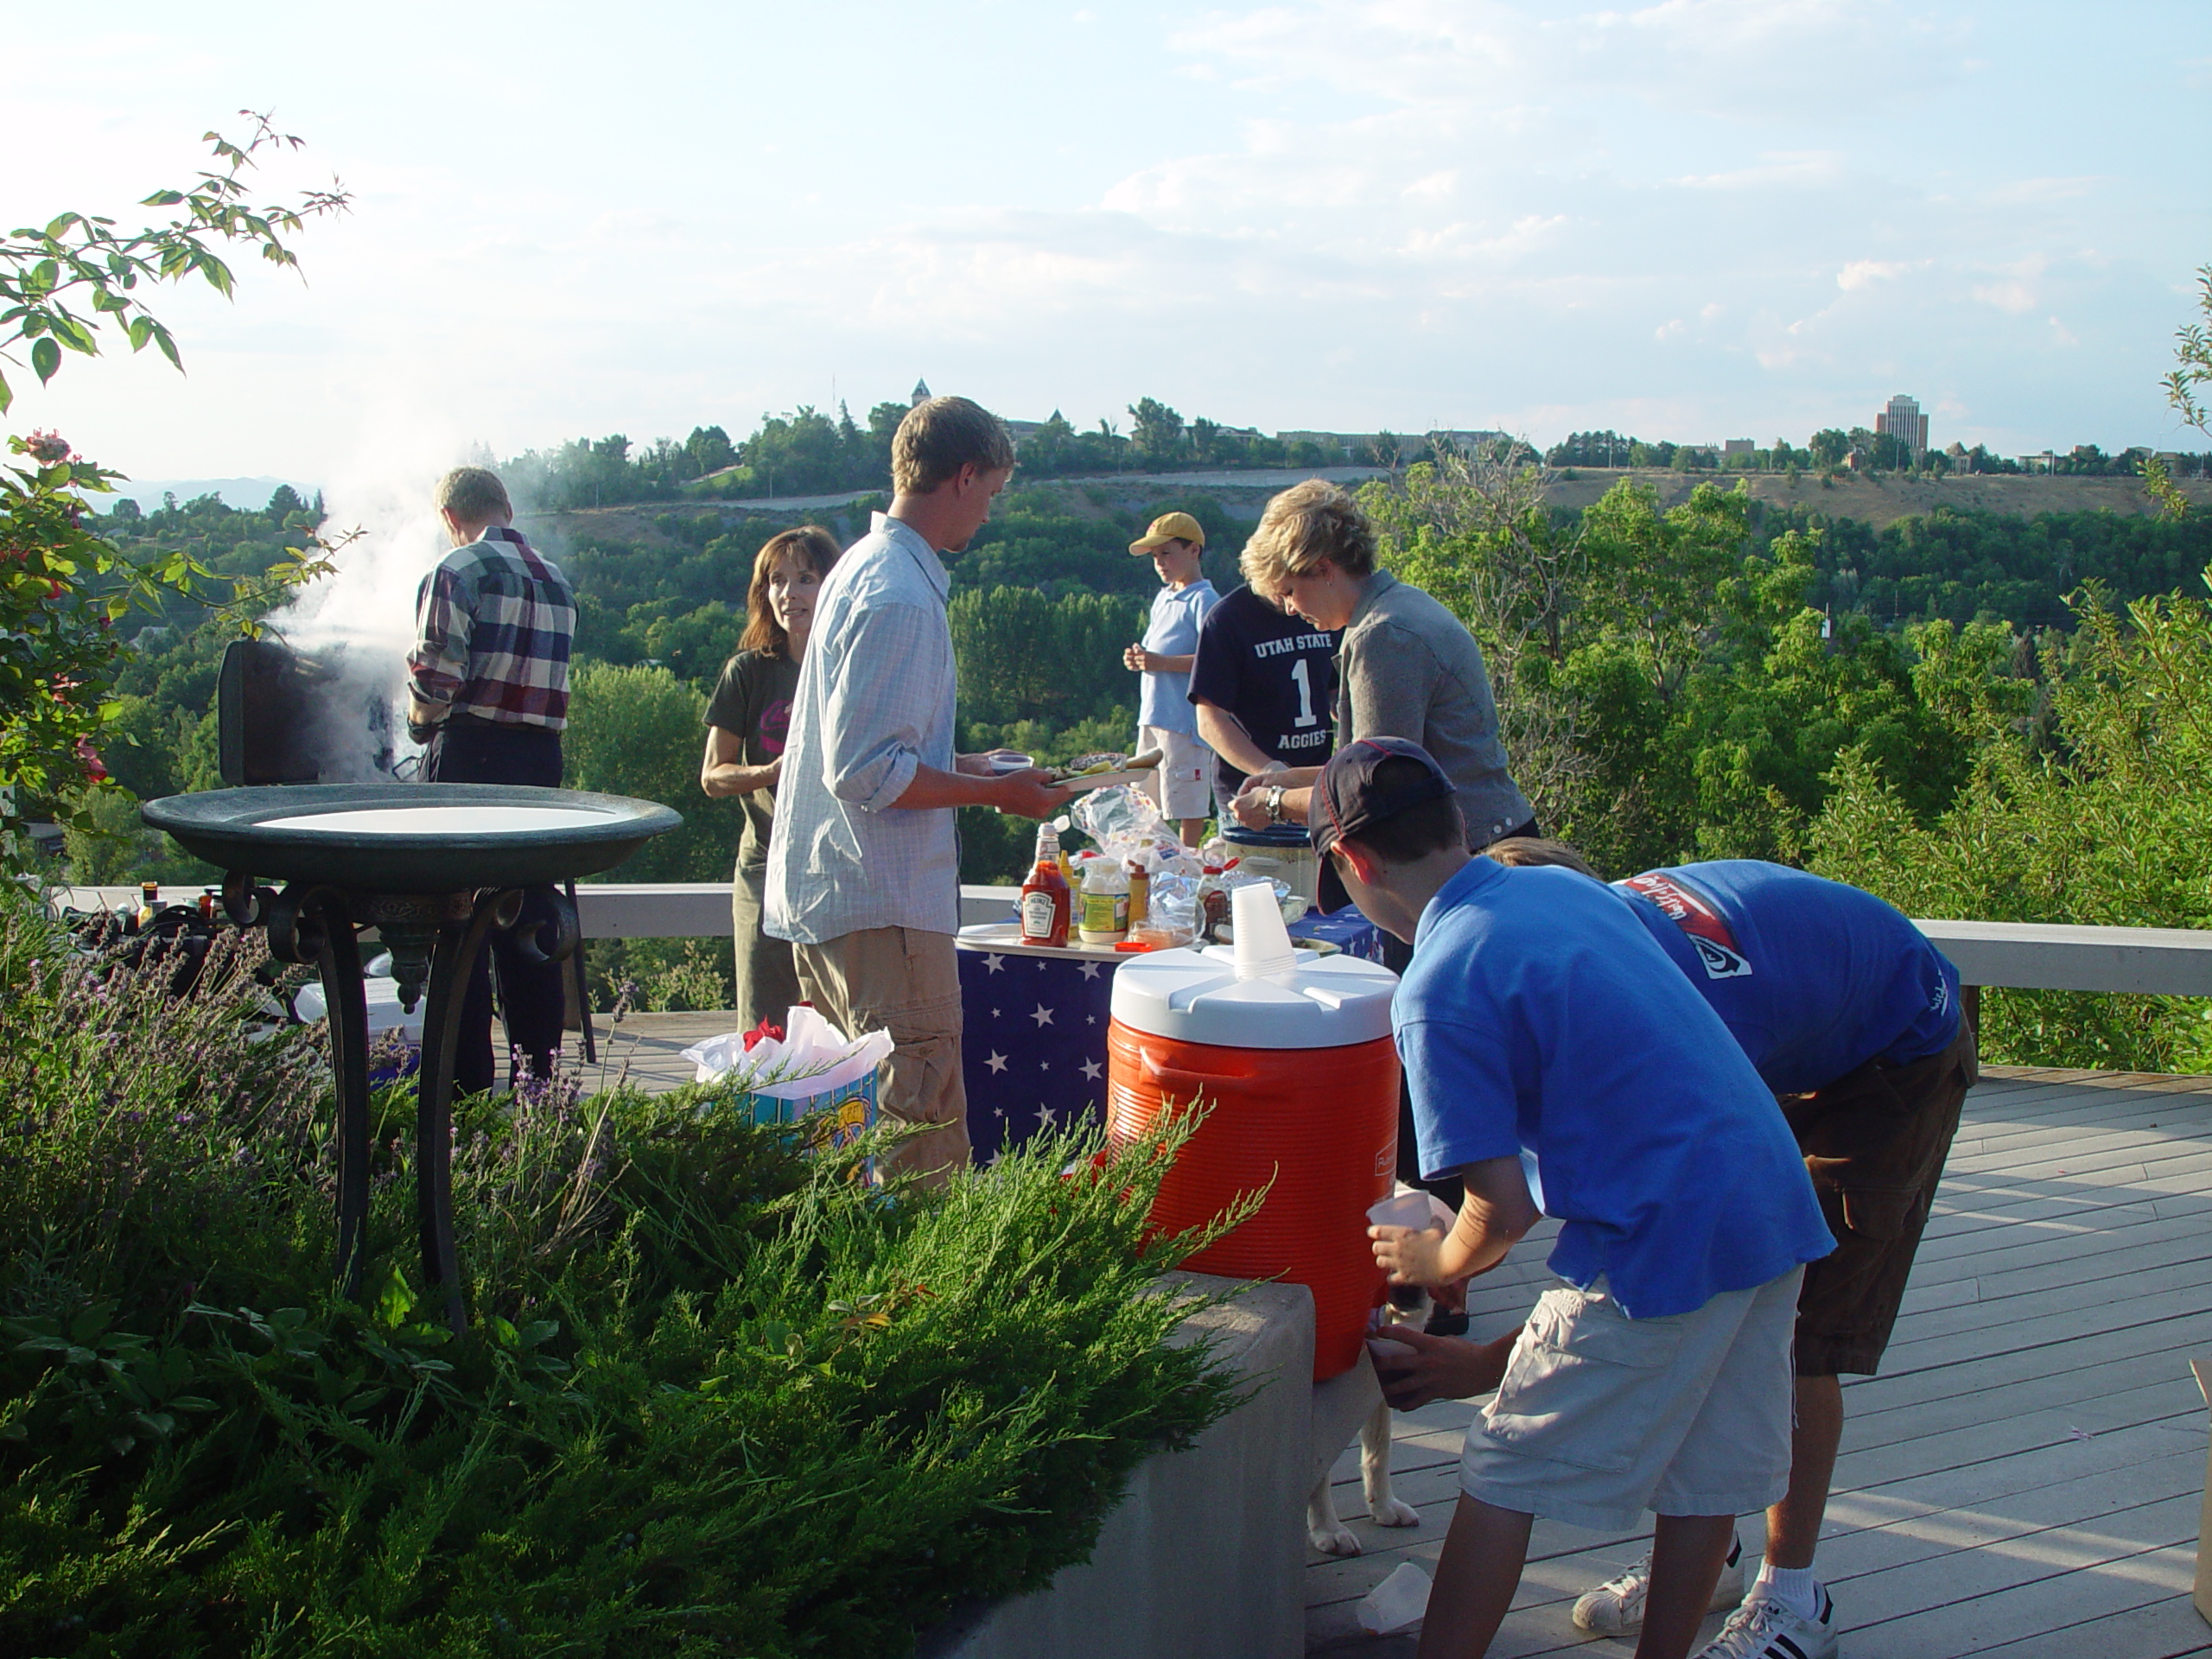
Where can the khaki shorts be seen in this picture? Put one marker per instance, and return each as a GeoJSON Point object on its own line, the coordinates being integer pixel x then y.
{"type": "Point", "coordinates": [1874, 1142]}
{"type": "Point", "coordinates": [1601, 1417]}
{"type": "Point", "coordinates": [908, 983]}
{"type": "Point", "coordinates": [1181, 785]}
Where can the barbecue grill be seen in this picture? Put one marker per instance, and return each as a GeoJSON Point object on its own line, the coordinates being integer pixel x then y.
{"type": "Point", "coordinates": [434, 868]}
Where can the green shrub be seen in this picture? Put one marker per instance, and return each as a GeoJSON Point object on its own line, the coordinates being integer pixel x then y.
{"type": "Point", "coordinates": [718, 1397]}
{"type": "Point", "coordinates": [2111, 826]}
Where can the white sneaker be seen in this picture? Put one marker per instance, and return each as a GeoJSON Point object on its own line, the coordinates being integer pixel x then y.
{"type": "Point", "coordinates": [1760, 1628]}
{"type": "Point", "coordinates": [1616, 1607]}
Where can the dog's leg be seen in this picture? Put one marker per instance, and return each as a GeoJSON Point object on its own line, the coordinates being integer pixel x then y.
{"type": "Point", "coordinates": [1383, 1509]}
{"type": "Point", "coordinates": [1322, 1530]}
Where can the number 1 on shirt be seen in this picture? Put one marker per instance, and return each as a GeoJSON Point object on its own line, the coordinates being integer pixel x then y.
{"type": "Point", "coordinates": [1301, 671]}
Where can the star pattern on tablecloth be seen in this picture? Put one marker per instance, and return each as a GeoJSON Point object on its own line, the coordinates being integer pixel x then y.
{"type": "Point", "coordinates": [1065, 1059]}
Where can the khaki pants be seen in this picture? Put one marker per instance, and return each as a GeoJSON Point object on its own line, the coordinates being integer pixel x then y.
{"type": "Point", "coordinates": [767, 984]}
{"type": "Point", "coordinates": [906, 983]}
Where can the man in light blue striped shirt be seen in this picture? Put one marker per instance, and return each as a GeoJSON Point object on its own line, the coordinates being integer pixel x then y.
{"type": "Point", "coordinates": [864, 861]}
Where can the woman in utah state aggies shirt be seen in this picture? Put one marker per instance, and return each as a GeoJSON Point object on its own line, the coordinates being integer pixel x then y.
{"type": "Point", "coordinates": [746, 720]}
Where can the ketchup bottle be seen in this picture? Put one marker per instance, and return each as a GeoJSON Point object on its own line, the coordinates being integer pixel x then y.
{"type": "Point", "coordinates": [1046, 902]}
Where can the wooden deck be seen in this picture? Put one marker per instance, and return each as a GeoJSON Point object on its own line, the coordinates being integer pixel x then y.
{"type": "Point", "coordinates": [2023, 1479]}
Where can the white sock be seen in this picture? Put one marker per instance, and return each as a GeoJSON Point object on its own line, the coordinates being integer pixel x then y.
{"type": "Point", "coordinates": [1795, 1587]}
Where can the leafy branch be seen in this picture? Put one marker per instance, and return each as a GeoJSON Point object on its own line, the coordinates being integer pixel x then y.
{"type": "Point", "coordinates": [60, 285]}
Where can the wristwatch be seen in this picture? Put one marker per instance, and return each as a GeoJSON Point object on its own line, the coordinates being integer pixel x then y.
{"type": "Point", "coordinates": [1275, 804]}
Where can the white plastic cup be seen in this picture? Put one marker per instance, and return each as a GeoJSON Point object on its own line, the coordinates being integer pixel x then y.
{"type": "Point", "coordinates": [1411, 1208]}
{"type": "Point", "coordinates": [1399, 1600]}
{"type": "Point", "coordinates": [1261, 943]}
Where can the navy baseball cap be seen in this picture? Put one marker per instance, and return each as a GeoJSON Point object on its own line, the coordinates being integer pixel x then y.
{"type": "Point", "coordinates": [1348, 799]}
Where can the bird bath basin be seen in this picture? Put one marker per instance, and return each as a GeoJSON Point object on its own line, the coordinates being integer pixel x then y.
{"type": "Point", "coordinates": [419, 838]}
{"type": "Point", "coordinates": [434, 868]}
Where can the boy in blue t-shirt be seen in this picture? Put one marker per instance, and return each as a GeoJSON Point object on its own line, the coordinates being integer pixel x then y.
{"type": "Point", "coordinates": [1853, 1020]}
{"type": "Point", "coordinates": [1181, 785]}
{"type": "Point", "coordinates": [1538, 1019]}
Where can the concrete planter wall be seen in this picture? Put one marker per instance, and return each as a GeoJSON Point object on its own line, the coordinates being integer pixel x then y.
{"type": "Point", "coordinates": [1206, 1553]}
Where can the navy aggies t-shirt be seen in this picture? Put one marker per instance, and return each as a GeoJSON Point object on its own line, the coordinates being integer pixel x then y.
{"type": "Point", "coordinates": [1813, 978]}
{"type": "Point", "coordinates": [1276, 673]}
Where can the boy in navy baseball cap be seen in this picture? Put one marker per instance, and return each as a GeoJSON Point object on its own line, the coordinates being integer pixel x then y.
{"type": "Point", "coordinates": [1560, 1065]}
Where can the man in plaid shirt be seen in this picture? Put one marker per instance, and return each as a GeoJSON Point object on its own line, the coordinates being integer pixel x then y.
{"type": "Point", "coordinates": [488, 694]}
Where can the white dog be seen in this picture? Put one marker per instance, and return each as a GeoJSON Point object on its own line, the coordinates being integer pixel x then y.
{"type": "Point", "coordinates": [1409, 1305]}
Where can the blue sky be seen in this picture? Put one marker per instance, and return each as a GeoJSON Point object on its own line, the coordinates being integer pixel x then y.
{"type": "Point", "coordinates": [1699, 220]}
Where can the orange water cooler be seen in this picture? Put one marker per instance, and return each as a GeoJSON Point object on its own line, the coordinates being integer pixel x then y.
{"type": "Point", "coordinates": [1300, 1071]}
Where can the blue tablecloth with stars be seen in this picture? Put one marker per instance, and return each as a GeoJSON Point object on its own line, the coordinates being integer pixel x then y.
{"type": "Point", "coordinates": [1033, 1043]}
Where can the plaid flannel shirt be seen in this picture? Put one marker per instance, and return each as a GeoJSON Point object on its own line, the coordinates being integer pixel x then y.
{"type": "Point", "coordinates": [492, 624]}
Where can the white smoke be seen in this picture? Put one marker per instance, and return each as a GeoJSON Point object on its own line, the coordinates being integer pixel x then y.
{"type": "Point", "coordinates": [359, 621]}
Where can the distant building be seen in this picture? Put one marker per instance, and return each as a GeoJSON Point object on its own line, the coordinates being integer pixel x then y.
{"type": "Point", "coordinates": [1734, 447]}
{"type": "Point", "coordinates": [1903, 420]}
{"type": "Point", "coordinates": [1463, 440]}
{"type": "Point", "coordinates": [921, 395]}
{"type": "Point", "coordinates": [2043, 462]}
{"type": "Point", "coordinates": [1336, 445]}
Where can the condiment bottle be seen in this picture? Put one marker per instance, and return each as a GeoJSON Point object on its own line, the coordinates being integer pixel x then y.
{"type": "Point", "coordinates": [1140, 894]}
{"type": "Point", "coordinates": [1045, 898]}
{"type": "Point", "coordinates": [1105, 902]}
{"type": "Point", "coordinates": [149, 901]}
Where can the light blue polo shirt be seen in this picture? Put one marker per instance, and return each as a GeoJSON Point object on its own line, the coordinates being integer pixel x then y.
{"type": "Point", "coordinates": [1539, 1014]}
{"type": "Point", "coordinates": [1164, 700]}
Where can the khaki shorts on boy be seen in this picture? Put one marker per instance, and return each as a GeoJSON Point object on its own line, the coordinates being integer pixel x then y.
{"type": "Point", "coordinates": [1180, 786]}
{"type": "Point", "coordinates": [1601, 1417]}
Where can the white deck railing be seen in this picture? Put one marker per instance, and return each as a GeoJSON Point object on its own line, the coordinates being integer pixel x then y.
{"type": "Point", "coordinates": [2029, 956]}
{"type": "Point", "coordinates": [2035, 956]}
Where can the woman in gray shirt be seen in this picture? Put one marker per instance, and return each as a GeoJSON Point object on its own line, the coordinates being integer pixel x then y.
{"type": "Point", "coordinates": [1407, 667]}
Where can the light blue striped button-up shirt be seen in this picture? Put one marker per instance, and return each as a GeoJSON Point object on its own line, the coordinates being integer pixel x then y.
{"type": "Point", "coordinates": [875, 705]}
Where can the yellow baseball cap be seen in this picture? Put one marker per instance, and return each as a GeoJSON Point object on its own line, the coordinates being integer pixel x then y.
{"type": "Point", "coordinates": [1169, 527]}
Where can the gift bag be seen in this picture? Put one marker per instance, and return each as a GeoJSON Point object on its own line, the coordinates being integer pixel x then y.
{"type": "Point", "coordinates": [808, 1074]}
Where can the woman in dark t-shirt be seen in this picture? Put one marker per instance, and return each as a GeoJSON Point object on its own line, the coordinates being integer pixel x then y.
{"type": "Point", "coordinates": [746, 720]}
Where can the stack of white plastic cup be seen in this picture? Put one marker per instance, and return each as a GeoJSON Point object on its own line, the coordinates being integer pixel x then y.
{"type": "Point", "coordinates": [1261, 944]}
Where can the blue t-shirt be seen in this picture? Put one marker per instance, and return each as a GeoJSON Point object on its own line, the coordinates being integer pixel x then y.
{"type": "Point", "coordinates": [1537, 1014]}
{"type": "Point", "coordinates": [1815, 978]}
{"type": "Point", "coordinates": [1275, 673]}
{"type": "Point", "coordinates": [1173, 631]}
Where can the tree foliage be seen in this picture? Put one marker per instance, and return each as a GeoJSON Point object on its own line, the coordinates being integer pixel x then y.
{"type": "Point", "coordinates": [2111, 825]}
{"type": "Point", "coordinates": [62, 283]}
{"type": "Point", "coordinates": [63, 586]}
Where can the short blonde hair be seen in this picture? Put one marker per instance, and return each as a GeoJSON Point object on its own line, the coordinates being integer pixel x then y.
{"type": "Point", "coordinates": [940, 436]}
{"type": "Point", "coordinates": [475, 496]}
{"type": "Point", "coordinates": [1529, 851]}
{"type": "Point", "coordinates": [1306, 524]}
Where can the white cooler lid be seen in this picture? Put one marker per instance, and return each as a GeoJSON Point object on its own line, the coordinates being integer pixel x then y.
{"type": "Point", "coordinates": [1194, 996]}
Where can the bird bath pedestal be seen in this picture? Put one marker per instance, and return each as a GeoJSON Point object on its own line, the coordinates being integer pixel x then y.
{"type": "Point", "coordinates": [433, 867]}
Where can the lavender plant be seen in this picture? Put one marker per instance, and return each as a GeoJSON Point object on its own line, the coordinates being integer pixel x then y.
{"type": "Point", "coordinates": [718, 1397]}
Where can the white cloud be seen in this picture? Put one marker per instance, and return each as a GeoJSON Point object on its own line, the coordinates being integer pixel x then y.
{"type": "Point", "coordinates": [1859, 272]}
{"type": "Point", "coordinates": [2012, 297]}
